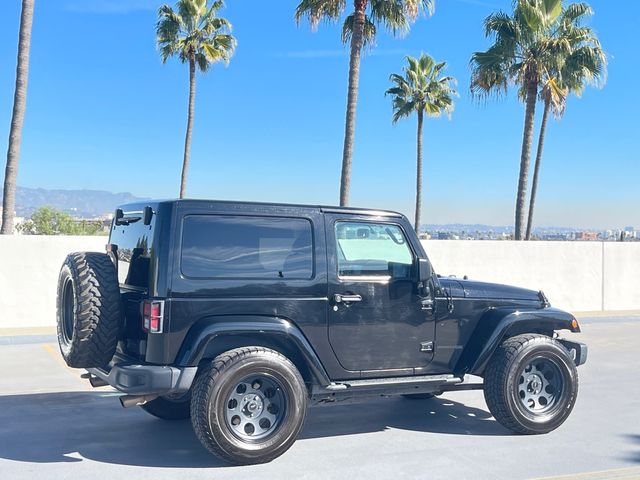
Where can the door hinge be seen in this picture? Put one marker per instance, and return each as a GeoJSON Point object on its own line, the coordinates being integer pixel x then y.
{"type": "Point", "coordinates": [426, 347]}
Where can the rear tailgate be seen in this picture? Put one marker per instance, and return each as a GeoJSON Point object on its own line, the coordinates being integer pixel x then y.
{"type": "Point", "coordinates": [132, 245]}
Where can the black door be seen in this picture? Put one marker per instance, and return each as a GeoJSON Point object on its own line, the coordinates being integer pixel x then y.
{"type": "Point", "coordinates": [376, 313]}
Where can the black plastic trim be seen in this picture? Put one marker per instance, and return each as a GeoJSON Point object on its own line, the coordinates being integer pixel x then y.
{"type": "Point", "coordinates": [498, 323]}
{"type": "Point", "coordinates": [144, 379]}
{"type": "Point", "coordinates": [208, 330]}
{"type": "Point", "coordinates": [579, 351]}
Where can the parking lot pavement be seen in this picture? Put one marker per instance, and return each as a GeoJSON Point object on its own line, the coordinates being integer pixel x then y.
{"type": "Point", "coordinates": [53, 425]}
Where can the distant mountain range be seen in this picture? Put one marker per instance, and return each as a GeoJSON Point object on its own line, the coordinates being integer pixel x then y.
{"type": "Point", "coordinates": [79, 203]}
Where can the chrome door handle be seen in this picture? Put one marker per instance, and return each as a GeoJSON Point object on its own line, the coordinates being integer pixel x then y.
{"type": "Point", "coordinates": [346, 298]}
{"type": "Point", "coordinates": [427, 304]}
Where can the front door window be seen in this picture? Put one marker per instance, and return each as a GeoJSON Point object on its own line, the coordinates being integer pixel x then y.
{"type": "Point", "coordinates": [372, 250]}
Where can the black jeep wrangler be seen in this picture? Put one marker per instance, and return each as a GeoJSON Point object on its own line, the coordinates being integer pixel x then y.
{"type": "Point", "coordinates": [241, 315]}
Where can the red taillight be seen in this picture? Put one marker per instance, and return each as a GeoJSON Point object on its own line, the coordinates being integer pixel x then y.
{"type": "Point", "coordinates": [146, 315]}
{"type": "Point", "coordinates": [152, 313]}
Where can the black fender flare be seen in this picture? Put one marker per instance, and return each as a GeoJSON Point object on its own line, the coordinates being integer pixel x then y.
{"type": "Point", "coordinates": [266, 330]}
{"type": "Point", "coordinates": [499, 323]}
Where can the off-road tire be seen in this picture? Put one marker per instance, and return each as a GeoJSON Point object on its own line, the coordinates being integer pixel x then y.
{"type": "Point", "coordinates": [502, 377]}
{"type": "Point", "coordinates": [169, 408]}
{"type": "Point", "coordinates": [89, 312]}
{"type": "Point", "coordinates": [217, 378]}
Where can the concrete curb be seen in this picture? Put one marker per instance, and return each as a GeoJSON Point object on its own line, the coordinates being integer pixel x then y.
{"type": "Point", "coordinates": [613, 313]}
{"type": "Point", "coordinates": [31, 331]}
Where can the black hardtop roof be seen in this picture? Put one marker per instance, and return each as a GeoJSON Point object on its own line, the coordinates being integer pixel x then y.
{"type": "Point", "coordinates": [186, 202]}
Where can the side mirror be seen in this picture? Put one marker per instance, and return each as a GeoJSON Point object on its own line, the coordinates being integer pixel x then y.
{"type": "Point", "coordinates": [147, 214]}
{"type": "Point", "coordinates": [425, 271]}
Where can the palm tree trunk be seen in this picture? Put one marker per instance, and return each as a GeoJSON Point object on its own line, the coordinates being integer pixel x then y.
{"type": "Point", "coordinates": [419, 171]}
{"type": "Point", "coordinates": [525, 156]}
{"type": "Point", "coordinates": [536, 168]}
{"type": "Point", "coordinates": [357, 40]}
{"type": "Point", "coordinates": [187, 139]}
{"type": "Point", "coordinates": [17, 118]}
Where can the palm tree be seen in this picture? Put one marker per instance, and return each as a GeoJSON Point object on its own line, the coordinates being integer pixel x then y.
{"type": "Point", "coordinates": [359, 29]}
{"type": "Point", "coordinates": [17, 118]}
{"type": "Point", "coordinates": [523, 47]}
{"type": "Point", "coordinates": [582, 63]}
{"type": "Point", "coordinates": [198, 37]}
{"type": "Point", "coordinates": [421, 90]}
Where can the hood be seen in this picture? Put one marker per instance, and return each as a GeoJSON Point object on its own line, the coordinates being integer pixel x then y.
{"type": "Point", "coordinates": [472, 289]}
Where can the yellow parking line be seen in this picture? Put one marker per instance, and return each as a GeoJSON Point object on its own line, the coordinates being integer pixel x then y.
{"type": "Point", "coordinates": [53, 352]}
{"type": "Point", "coordinates": [629, 473]}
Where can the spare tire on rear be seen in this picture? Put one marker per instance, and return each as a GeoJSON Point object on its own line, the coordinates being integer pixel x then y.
{"type": "Point", "coordinates": [89, 312]}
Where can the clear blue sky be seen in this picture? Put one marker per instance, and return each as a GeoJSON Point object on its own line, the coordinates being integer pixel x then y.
{"type": "Point", "coordinates": [104, 113]}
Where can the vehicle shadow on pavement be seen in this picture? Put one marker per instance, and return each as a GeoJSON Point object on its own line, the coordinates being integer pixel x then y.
{"type": "Point", "coordinates": [435, 415]}
{"type": "Point", "coordinates": [635, 456]}
{"type": "Point", "coordinates": [70, 427]}
{"type": "Point", "coordinates": [67, 427]}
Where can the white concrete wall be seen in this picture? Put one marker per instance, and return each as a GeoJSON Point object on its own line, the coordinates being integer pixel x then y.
{"type": "Point", "coordinates": [29, 266]}
{"type": "Point", "coordinates": [578, 276]}
{"type": "Point", "coordinates": [621, 280]}
{"type": "Point", "coordinates": [570, 273]}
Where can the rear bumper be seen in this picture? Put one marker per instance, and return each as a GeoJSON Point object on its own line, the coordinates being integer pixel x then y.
{"type": "Point", "coordinates": [144, 379]}
{"type": "Point", "coordinates": [577, 350]}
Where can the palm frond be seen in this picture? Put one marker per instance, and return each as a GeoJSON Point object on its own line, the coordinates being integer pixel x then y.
{"type": "Point", "coordinates": [556, 96]}
{"type": "Point", "coordinates": [552, 10]}
{"type": "Point", "coordinates": [318, 10]}
{"type": "Point", "coordinates": [369, 30]}
{"type": "Point", "coordinates": [501, 25]}
{"type": "Point", "coordinates": [391, 14]}
{"type": "Point", "coordinates": [402, 110]}
{"type": "Point", "coordinates": [528, 14]}
{"type": "Point", "coordinates": [576, 11]}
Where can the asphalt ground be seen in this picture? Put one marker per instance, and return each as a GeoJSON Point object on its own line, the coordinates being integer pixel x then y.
{"type": "Point", "coordinates": [53, 425]}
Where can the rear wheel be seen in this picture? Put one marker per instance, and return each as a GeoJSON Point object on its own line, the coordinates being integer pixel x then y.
{"type": "Point", "coordinates": [248, 405]}
{"type": "Point", "coordinates": [531, 384]}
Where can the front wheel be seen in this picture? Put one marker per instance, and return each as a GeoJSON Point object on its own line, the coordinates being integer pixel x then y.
{"type": "Point", "coordinates": [531, 384]}
{"type": "Point", "coordinates": [248, 405]}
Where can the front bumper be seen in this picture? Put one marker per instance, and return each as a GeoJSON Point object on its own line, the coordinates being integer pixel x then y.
{"type": "Point", "coordinates": [134, 378]}
{"type": "Point", "coordinates": [577, 350]}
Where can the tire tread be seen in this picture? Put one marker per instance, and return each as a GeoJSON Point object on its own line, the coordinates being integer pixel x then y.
{"type": "Point", "coordinates": [98, 309]}
{"type": "Point", "coordinates": [495, 378]}
{"type": "Point", "coordinates": [208, 374]}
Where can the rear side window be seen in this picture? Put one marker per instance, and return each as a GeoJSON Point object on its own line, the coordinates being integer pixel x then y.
{"type": "Point", "coordinates": [133, 244]}
{"type": "Point", "coordinates": [216, 246]}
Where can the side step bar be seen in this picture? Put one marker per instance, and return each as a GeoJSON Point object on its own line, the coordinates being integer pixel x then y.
{"type": "Point", "coordinates": [350, 389]}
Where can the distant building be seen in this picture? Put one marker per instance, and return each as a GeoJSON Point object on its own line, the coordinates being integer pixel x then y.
{"type": "Point", "coordinates": [587, 236]}
{"type": "Point", "coordinates": [630, 233]}
{"type": "Point", "coordinates": [554, 237]}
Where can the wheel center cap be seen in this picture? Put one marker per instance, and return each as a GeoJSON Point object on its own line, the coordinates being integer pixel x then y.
{"type": "Point", "coordinates": [252, 405]}
{"type": "Point", "coordinates": [535, 384]}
